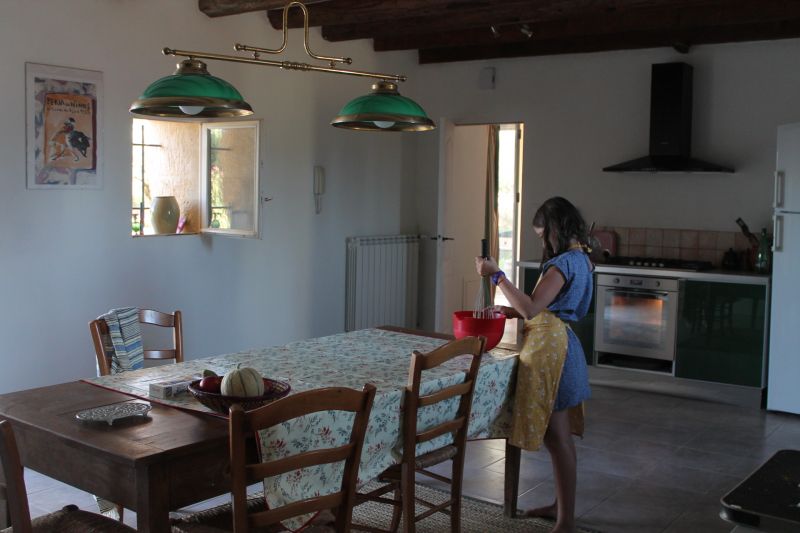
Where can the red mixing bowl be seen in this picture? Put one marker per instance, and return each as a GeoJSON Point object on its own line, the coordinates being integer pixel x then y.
{"type": "Point", "coordinates": [464, 325]}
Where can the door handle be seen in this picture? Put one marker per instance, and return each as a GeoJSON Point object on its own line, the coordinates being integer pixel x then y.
{"type": "Point", "coordinates": [777, 232]}
{"type": "Point", "coordinates": [780, 181]}
{"type": "Point", "coordinates": [441, 238]}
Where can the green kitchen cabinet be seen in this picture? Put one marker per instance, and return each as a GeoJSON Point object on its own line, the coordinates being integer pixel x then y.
{"type": "Point", "coordinates": [584, 328]}
{"type": "Point", "coordinates": [721, 328]}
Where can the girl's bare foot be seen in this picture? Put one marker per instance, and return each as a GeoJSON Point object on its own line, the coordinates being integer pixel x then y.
{"type": "Point", "coordinates": [563, 528]}
{"type": "Point", "coordinates": [548, 511]}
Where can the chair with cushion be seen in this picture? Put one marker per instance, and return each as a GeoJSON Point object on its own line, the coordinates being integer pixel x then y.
{"type": "Point", "coordinates": [70, 519]}
{"type": "Point", "coordinates": [104, 350]}
{"type": "Point", "coordinates": [401, 478]}
{"type": "Point", "coordinates": [243, 515]}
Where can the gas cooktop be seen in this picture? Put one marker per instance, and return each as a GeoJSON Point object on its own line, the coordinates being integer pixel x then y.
{"type": "Point", "coordinates": [659, 262]}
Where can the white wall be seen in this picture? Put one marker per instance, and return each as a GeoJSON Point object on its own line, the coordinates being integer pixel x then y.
{"type": "Point", "coordinates": [584, 112]}
{"type": "Point", "coordinates": [67, 256]}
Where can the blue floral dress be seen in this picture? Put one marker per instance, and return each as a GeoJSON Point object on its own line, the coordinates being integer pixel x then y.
{"type": "Point", "coordinates": [571, 305]}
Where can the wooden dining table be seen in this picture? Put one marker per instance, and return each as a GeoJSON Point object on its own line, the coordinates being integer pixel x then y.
{"type": "Point", "coordinates": [154, 464]}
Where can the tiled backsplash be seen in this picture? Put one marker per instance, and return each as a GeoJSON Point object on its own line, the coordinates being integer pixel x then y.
{"type": "Point", "coordinates": [691, 245]}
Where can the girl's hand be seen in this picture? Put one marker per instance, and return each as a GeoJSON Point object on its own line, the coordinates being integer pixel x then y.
{"type": "Point", "coordinates": [509, 312]}
{"type": "Point", "coordinates": [486, 267]}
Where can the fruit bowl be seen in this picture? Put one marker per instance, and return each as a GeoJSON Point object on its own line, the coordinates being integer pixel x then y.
{"type": "Point", "coordinates": [465, 325]}
{"type": "Point", "coordinates": [273, 390]}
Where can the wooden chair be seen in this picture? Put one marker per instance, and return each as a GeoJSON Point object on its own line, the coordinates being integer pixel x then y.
{"type": "Point", "coordinates": [99, 331]}
{"type": "Point", "coordinates": [401, 478]}
{"type": "Point", "coordinates": [248, 517]}
{"type": "Point", "coordinates": [12, 489]}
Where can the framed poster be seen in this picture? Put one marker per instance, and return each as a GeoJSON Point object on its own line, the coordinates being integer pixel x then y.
{"type": "Point", "coordinates": [63, 119]}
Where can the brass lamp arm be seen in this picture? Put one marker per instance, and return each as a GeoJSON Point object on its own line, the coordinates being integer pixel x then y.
{"type": "Point", "coordinates": [332, 59]}
{"type": "Point", "coordinates": [287, 65]}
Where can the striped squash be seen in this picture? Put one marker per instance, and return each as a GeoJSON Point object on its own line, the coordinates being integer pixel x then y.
{"type": "Point", "coordinates": [243, 382]}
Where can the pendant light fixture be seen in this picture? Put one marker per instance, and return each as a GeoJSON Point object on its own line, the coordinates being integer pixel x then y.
{"type": "Point", "coordinates": [383, 110]}
{"type": "Point", "coordinates": [193, 92]}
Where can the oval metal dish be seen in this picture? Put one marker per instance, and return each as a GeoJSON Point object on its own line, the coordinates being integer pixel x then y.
{"type": "Point", "coordinates": [110, 413]}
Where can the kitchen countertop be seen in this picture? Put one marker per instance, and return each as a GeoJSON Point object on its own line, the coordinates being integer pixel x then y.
{"type": "Point", "coordinates": [716, 275]}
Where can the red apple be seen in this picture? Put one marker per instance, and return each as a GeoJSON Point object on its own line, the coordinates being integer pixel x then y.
{"type": "Point", "coordinates": [211, 384]}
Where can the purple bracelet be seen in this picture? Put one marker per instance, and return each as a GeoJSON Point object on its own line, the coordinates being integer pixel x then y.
{"type": "Point", "coordinates": [497, 275]}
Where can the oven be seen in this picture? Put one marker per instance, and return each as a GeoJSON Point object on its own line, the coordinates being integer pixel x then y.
{"type": "Point", "coordinates": [636, 317]}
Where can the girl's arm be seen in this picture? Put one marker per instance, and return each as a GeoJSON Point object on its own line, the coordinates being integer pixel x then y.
{"type": "Point", "coordinates": [527, 306]}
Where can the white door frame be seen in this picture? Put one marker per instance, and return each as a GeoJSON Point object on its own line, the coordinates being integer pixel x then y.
{"type": "Point", "coordinates": [446, 129]}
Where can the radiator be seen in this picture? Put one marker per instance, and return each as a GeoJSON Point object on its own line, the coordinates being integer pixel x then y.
{"type": "Point", "coordinates": [381, 286]}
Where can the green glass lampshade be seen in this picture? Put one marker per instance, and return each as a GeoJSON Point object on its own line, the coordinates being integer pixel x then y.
{"type": "Point", "coordinates": [383, 110]}
{"type": "Point", "coordinates": [191, 93]}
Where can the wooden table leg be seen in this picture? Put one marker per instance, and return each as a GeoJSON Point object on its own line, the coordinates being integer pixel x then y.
{"type": "Point", "coordinates": [152, 494]}
{"type": "Point", "coordinates": [5, 514]}
{"type": "Point", "coordinates": [513, 455]}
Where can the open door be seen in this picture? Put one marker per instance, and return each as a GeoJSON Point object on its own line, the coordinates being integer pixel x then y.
{"type": "Point", "coordinates": [463, 153]}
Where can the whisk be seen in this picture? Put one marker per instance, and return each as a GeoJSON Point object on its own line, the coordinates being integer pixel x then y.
{"type": "Point", "coordinates": [484, 297]}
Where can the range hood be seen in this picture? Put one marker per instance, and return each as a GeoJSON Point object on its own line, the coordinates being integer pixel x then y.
{"type": "Point", "coordinates": [670, 125]}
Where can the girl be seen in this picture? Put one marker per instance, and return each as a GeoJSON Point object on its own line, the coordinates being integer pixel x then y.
{"type": "Point", "coordinates": [552, 380]}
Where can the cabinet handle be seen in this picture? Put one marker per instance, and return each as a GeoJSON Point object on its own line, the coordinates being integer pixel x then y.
{"type": "Point", "coordinates": [777, 232]}
{"type": "Point", "coordinates": [780, 178]}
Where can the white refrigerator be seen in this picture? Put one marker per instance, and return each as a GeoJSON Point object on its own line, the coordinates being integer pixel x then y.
{"type": "Point", "coordinates": [783, 392]}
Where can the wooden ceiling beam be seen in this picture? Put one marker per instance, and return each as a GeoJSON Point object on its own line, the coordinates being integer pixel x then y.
{"type": "Point", "coordinates": [222, 8]}
{"type": "Point", "coordinates": [459, 13]}
{"type": "Point", "coordinates": [621, 41]}
{"type": "Point", "coordinates": [634, 22]}
{"type": "Point", "coordinates": [366, 11]}
{"type": "Point", "coordinates": [511, 12]}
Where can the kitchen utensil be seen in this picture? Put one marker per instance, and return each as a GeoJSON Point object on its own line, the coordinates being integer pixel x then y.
{"type": "Point", "coordinates": [490, 326]}
{"type": "Point", "coordinates": [730, 260]}
{"type": "Point", "coordinates": [484, 297]}
{"type": "Point", "coordinates": [752, 239]}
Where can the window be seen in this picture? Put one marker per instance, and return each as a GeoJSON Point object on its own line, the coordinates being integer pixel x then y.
{"type": "Point", "coordinates": [212, 170]}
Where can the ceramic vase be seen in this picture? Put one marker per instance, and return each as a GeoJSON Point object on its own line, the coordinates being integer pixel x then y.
{"type": "Point", "coordinates": [164, 214]}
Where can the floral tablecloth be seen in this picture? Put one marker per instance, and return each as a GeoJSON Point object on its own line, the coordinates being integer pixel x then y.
{"type": "Point", "coordinates": [349, 359]}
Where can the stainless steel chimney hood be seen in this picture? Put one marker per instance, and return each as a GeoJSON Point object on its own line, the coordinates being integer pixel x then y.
{"type": "Point", "coordinates": [670, 125]}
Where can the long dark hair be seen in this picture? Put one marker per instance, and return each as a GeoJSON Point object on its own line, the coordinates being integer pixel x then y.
{"type": "Point", "coordinates": [562, 222]}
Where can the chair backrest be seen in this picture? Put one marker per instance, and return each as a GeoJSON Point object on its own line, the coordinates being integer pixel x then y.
{"type": "Point", "coordinates": [244, 423]}
{"type": "Point", "coordinates": [458, 425]}
{"type": "Point", "coordinates": [99, 331]}
{"type": "Point", "coordinates": [12, 481]}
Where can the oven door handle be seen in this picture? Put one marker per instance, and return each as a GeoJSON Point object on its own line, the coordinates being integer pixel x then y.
{"type": "Point", "coordinates": [641, 292]}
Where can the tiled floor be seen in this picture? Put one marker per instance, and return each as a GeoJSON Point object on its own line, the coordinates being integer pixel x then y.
{"type": "Point", "coordinates": [648, 463]}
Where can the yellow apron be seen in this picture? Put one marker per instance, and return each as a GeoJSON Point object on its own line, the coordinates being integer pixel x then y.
{"type": "Point", "coordinates": [541, 361]}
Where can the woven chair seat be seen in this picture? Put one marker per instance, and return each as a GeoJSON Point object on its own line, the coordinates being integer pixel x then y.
{"type": "Point", "coordinates": [435, 457]}
{"type": "Point", "coordinates": [219, 519]}
{"type": "Point", "coordinates": [70, 519]}
{"type": "Point", "coordinates": [425, 460]}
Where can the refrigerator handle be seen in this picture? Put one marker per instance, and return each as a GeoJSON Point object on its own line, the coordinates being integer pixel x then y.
{"type": "Point", "coordinates": [780, 179]}
{"type": "Point", "coordinates": [777, 232]}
